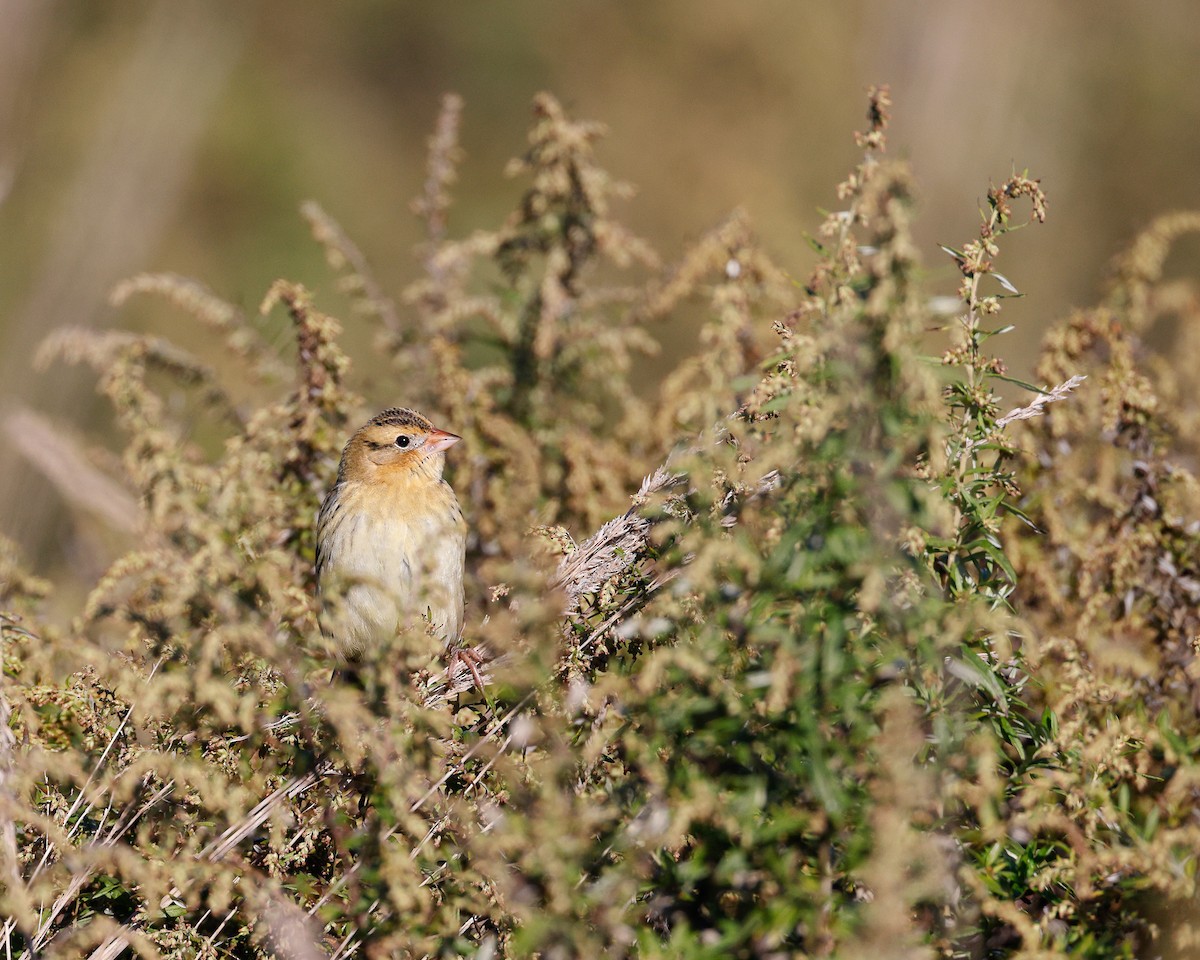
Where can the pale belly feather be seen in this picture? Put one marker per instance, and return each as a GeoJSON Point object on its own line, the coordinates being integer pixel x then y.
{"type": "Point", "coordinates": [391, 568]}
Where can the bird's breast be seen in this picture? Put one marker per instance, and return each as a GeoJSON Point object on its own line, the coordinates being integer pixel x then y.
{"type": "Point", "coordinates": [392, 554]}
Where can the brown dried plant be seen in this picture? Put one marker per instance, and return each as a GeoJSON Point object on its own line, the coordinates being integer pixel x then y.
{"type": "Point", "coordinates": [1111, 586]}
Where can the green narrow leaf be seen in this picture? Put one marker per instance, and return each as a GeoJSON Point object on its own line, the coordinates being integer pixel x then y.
{"type": "Point", "coordinates": [1021, 383]}
{"type": "Point", "coordinates": [972, 669]}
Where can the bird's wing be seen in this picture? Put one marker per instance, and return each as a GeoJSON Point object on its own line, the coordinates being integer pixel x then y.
{"type": "Point", "coordinates": [329, 508]}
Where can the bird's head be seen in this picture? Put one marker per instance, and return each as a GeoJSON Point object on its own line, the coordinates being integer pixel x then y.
{"type": "Point", "coordinates": [394, 443]}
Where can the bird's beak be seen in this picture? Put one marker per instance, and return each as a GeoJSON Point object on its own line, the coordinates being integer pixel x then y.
{"type": "Point", "coordinates": [440, 439]}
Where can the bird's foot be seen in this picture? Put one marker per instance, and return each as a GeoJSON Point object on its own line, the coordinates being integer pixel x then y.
{"type": "Point", "coordinates": [469, 659]}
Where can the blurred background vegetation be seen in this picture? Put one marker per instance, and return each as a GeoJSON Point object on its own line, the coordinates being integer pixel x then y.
{"type": "Point", "coordinates": [184, 135]}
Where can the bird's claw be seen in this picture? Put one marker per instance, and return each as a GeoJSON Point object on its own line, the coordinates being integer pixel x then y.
{"type": "Point", "coordinates": [469, 659]}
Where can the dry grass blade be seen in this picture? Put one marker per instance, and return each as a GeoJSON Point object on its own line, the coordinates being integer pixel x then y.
{"type": "Point", "coordinates": [83, 875]}
{"type": "Point", "coordinates": [8, 835]}
{"type": "Point", "coordinates": [612, 549]}
{"type": "Point", "coordinates": [346, 259]}
{"type": "Point", "coordinates": [62, 461]}
{"type": "Point", "coordinates": [193, 297]}
{"type": "Point", "coordinates": [1037, 406]}
{"type": "Point", "coordinates": [441, 172]}
{"type": "Point", "coordinates": [71, 821]}
{"type": "Point", "coordinates": [227, 841]}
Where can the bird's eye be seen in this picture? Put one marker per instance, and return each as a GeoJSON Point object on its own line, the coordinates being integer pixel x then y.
{"type": "Point", "coordinates": [402, 441]}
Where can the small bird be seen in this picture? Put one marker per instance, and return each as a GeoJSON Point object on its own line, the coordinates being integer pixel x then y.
{"type": "Point", "coordinates": [391, 538]}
